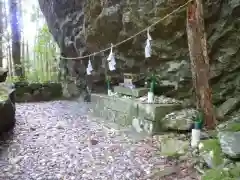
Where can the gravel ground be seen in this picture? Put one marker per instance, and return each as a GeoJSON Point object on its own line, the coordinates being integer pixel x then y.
{"type": "Point", "coordinates": [57, 141]}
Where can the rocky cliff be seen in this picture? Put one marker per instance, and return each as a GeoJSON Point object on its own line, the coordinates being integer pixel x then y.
{"type": "Point", "coordinates": [81, 27]}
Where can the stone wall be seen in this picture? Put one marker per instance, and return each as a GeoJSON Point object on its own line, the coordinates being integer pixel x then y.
{"type": "Point", "coordinates": [32, 92]}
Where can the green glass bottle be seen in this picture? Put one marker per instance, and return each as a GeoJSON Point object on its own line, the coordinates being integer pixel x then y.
{"type": "Point", "coordinates": [108, 83]}
{"type": "Point", "coordinates": [198, 123]}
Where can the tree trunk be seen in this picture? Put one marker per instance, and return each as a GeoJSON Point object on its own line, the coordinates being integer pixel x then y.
{"type": "Point", "coordinates": [10, 64]}
{"type": "Point", "coordinates": [200, 62]}
{"type": "Point", "coordinates": [23, 60]}
{"type": "Point", "coordinates": [27, 59]}
{"type": "Point", "coordinates": [1, 34]}
{"type": "Point", "coordinates": [22, 45]}
{"type": "Point", "coordinates": [16, 37]}
{"type": "Point", "coordinates": [8, 45]}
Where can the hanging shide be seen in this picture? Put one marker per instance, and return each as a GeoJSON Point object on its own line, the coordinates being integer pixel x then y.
{"type": "Point", "coordinates": [111, 60]}
{"type": "Point", "coordinates": [89, 67]}
{"type": "Point", "coordinates": [148, 50]}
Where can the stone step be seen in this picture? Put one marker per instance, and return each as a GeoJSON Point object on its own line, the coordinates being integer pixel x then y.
{"type": "Point", "coordinates": [122, 111]}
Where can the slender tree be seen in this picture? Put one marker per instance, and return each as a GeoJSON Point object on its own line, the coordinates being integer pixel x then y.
{"type": "Point", "coordinates": [22, 45]}
{"type": "Point", "coordinates": [200, 61]}
{"type": "Point", "coordinates": [16, 37]}
{"type": "Point", "coordinates": [1, 33]}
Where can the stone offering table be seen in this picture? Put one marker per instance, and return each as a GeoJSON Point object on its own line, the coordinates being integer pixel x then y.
{"type": "Point", "coordinates": [135, 92]}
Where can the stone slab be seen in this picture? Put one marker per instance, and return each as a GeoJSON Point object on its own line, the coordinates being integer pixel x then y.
{"type": "Point", "coordinates": [118, 110]}
{"type": "Point", "coordinates": [155, 112]}
{"type": "Point", "coordinates": [142, 125]}
{"type": "Point", "coordinates": [136, 92]}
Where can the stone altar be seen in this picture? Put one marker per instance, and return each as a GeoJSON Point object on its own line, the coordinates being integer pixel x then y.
{"type": "Point", "coordinates": [123, 111]}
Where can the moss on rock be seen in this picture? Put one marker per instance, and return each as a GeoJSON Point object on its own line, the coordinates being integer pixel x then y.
{"type": "Point", "coordinates": [233, 127]}
{"type": "Point", "coordinates": [222, 174]}
{"type": "Point", "coordinates": [213, 148]}
{"type": "Point", "coordinates": [173, 147]}
{"type": "Point", "coordinates": [3, 94]}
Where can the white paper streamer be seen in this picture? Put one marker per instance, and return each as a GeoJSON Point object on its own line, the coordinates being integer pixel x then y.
{"type": "Point", "coordinates": [88, 72]}
{"type": "Point", "coordinates": [110, 54]}
{"type": "Point", "coordinates": [90, 65]}
{"type": "Point", "coordinates": [111, 66]}
{"type": "Point", "coordinates": [111, 60]}
{"type": "Point", "coordinates": [148, 34]}
{"type": "Point", "coordinates": [148, 49]}
{"type": "Point", "coordinates": [89, 68]}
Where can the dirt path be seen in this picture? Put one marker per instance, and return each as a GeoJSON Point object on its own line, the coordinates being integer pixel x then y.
{"type": "Point", "coordinates": [56, 141]}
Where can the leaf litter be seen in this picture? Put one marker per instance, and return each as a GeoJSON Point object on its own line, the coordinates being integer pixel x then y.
{"type": "Point", "coordinates": [58, 141]}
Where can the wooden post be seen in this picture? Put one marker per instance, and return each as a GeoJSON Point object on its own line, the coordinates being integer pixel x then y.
{"type": "Point", "coordinates": [200, 61]}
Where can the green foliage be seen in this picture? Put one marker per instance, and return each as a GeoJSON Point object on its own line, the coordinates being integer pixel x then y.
{"type": "Point", "coordinates": [38, 61]}
{"type": "Point", "coordinates": [13, 79]}
{"type": "Point", "coordinates": [43, 40]}
{"type": "Point", "coordinates": [3, 94]}
{"type": "Point", "coordinates": [41, 66]}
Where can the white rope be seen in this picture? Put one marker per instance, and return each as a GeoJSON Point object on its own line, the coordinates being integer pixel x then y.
{"type": "Point", "coordinates": [131, 37]}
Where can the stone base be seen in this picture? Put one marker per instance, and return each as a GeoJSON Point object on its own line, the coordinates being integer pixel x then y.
{"type": "Point", "coordinates": [137, 92]}
{"type": "Point", "coordinates": [122, 111]}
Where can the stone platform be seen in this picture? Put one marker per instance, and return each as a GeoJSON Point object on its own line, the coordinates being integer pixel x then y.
{"type": "Point", "coordinates": [126, 112]}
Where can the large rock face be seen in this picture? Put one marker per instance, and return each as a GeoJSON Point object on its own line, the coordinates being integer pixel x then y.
{"type": "Point", "coordinates": [81, 27]}
{"type": "Point", "coordinates": [7, 108]}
